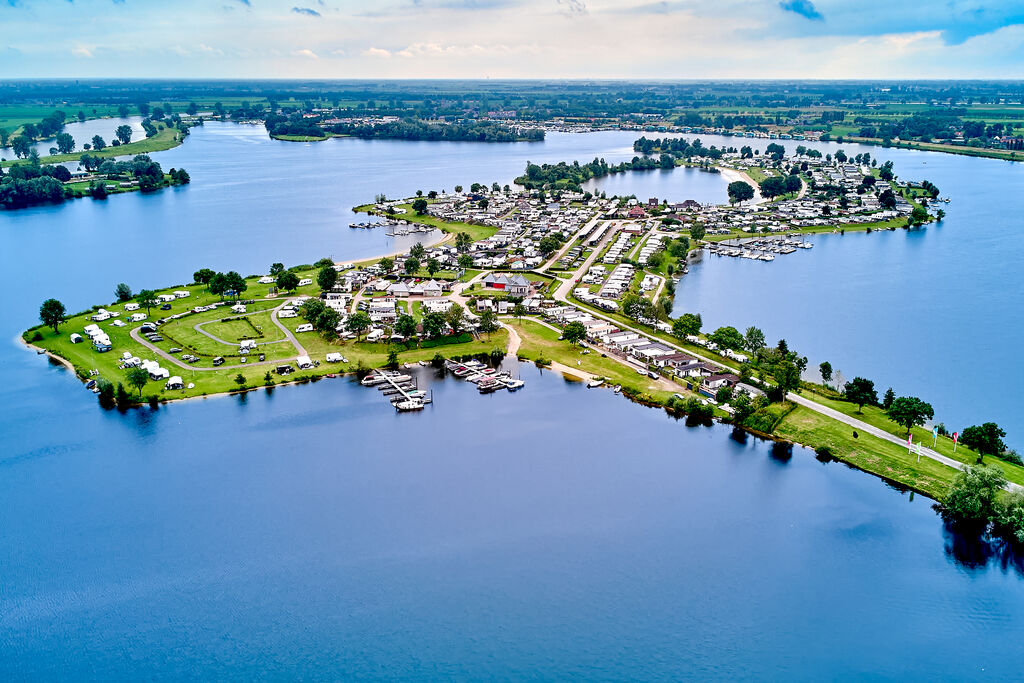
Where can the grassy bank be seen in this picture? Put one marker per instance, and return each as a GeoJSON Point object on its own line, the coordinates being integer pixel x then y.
{"type": "Point", "coordinates": [476, 232]}
{"type": "Point", "coordinates": [167, 138]}
{"type": "Point", "coordinates": [869, 453]}
{"type": "Point", "coordinates": [540, 341]}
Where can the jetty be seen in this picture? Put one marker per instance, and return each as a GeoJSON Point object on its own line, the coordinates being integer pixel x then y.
{"type": "Point", "coordinates": [400, 389]}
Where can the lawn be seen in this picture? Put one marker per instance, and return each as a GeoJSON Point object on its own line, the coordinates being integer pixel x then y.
{"type": "Point", "coordinates": [866, 452]}
{"type": "Point", "coordinates": [476, 232]}
{"type": "Point", "coordinates": [164, 139]}
{"type": "Point", "coordinates": [541, 341]}
{"type": "Point", "coordinates": [876, 417]}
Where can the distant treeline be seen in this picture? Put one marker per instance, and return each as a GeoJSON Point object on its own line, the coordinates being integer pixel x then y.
{"type": "Point", "coordinates": [565, 176]}
{"type": "Point", "coordinates": [680, 148]}
{"type": "Point", "coordinates": [475, 131]}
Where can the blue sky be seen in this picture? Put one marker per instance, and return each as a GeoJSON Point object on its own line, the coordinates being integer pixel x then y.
{"type": "Point", "coordinates": [512, 38]}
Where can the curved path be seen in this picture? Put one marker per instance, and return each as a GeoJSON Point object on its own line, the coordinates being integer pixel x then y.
{"type": "Point", "coordinates": [198, 327]}
{"type": "Point", "coordinates": [301, 351]}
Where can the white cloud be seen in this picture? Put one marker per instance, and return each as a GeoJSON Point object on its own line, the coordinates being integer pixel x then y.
{"type": "Point", "coordinates": [376, 52]}
{"type": "Point", "coordinates": [308, 54]}
{"type": "Point", "coordinates": [83, 52]}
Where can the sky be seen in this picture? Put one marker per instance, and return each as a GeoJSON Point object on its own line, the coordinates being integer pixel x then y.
{"type": "Point", "coordinates": [638, 39]}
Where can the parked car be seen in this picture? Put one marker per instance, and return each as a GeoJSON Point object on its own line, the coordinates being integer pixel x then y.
{"type": "Point", "coordinates": [174, 349]}
{"type": "Point", "coordinates": [263, 357]}
{"type": "Point", "coordinates": [165, 307]}
{"type": "Point", "coordinates": [219, 360]}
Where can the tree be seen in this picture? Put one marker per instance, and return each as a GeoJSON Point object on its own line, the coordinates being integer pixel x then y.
{"type": "Point", "coordinates": [327, 278]}
{"type": "Point", "coordinates": [787, 376]}
{"type": "Point", "coordinates": [740, 191]}
{"type": "Point", "coordinates": [358, 323]}
{"type": "Point", "coordinates": [21, 146]}
{"type": "Point", "coordinates": [465, 261]}
{"type": "Point", "coordinates": [287, 280]}
{"type": "Point", "coordinates": [51, 313]}
{"type": "Point", "coordinates": [98, 143]}
{"type": "Point", "coordinates": [124, 134]}
{"type": "Point", "coordinates": [753, 340]}
{"type": "Point", "coordinates": [240, 379]}
{"type": "Point", "coordinates": [218, 284]}
{"type": "Point", "coordinates": [971, 502]}
{"type": "Point", "coordinates": [146, 299]}
{"type": "Point", "coordinates": [727, 337]}
{"type": "Point", "coordinates": [203, 276]}
{"type": "Point", "coordinates": [420, 206]}
{"type": "Point", "coordinates": [889, 397]}
{"type": "Point", "coordinates": [405, 325]}
{"type": "Point", "coordinates": [484, 203]}
{"type": "Point", "coordinates": [861, 391]}
{"type": "Point", "coordinates": [235, 283]}
{"type": "Point", "coordinates": [697, 232]}
{"type": "Point", "coordinates": [433, 265]}
{"type": "Point", "coordinates": [137, 378]}
{"type": "Point", "coordinates": [724, 394]}
{"type": "Point", "coordinates": [417, 251]}
{"type": "Point", "coordinates": [433, 324]}
{"type": "Point", "coordinates": [742, 408]}
{"type": "Point", "coordinates": [412, 264]}
{"type": "Point", "coordinates": [276, 269]}
{"type": "Point", "coordinates": [574, 332]}
{"type": "Point", "coordinates": [65, 143]}
{"type": "Point", "coordinates": [909, 411]}
{"type": "Point", "coordinates": [773, 186]}
{"type": "Point", "coordinates": [463, 241]}
{"type": "Point", "coordinates": [192, 109]}
{"type": "Point", "coordinates": [986, 439]}
{"type": "Point", "coordinates": [123, 292]}
{"type": "Point", "coordinates": [386, 264]}
{"type": "Point", "coordinates": [455, 316]}
{"type": "Point", "coordinates": [825, 368]}
{"type": "Point", "coordinates": [686, 325]}
{"type": "Point", "coordinates": [887, 199]}
{"type": "Point", "coordinates": [327, 321]}
{"type": "Point", "coordinates": [488, 322]}
{"type": "Point", "coordinates": [519, 310]}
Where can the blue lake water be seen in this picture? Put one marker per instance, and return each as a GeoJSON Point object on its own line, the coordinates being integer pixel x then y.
{"type": "Point", "coordinates": [83, 132]}
{"type": "Point", "coordinates": [313, 533]}
{"type": "Point", "coordinates": [310, 532]}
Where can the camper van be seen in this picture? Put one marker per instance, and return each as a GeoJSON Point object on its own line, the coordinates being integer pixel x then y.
{"type": "Point", "coordinates": [305, 327]}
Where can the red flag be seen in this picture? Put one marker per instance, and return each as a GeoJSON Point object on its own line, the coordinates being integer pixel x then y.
{"type": "Point", "coordinates": [955, 435]}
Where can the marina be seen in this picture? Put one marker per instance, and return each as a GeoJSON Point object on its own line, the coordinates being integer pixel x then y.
{"type": "Point", "coordinates": [762, 249]}
{"type": "Point", "coordinates": [393, 228]}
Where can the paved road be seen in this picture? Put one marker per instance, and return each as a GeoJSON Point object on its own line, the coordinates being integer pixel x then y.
{"type": "Point", "coordinates": [880, 433]}
{"type": "Point", "coordinates": [562, 292]}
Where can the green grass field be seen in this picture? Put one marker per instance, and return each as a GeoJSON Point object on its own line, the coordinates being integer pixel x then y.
{"type": "Point", "coordinates": [164, 139]}
{"type": "Point", "coordinates": [866, 452]}
{"type": "Point", "coordinates": [540, 341]}
{"type": "Point", "coordinates": [207, 379]}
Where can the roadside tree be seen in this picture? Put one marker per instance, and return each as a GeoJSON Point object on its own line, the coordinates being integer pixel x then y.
{"type": "Point", "coordinates": [909, 411]}
{"type": "Point", "coordinates": [986, 439]}
{"type": "Point", "coordinates": [574, 332]}
{"type": "Point", "coordinates": [861, 391]}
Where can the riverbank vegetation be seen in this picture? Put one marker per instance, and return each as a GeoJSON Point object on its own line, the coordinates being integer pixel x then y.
{"type": "Point", "coordinates": [32, 183]}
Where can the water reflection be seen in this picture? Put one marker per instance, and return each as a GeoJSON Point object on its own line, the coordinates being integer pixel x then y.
{"type": "Point", "coordinates": [977, 552]}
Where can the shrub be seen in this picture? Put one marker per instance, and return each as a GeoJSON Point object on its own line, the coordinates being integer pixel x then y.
{"type": "Point", "coordinates": [37, 336]}
{"type": "Point", "coordinates": [438, 360]}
